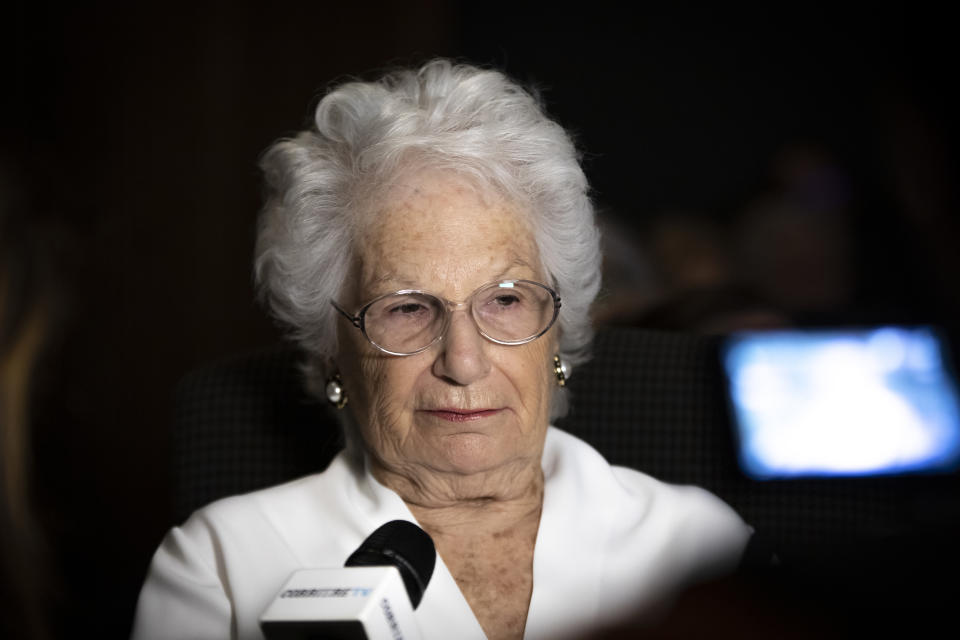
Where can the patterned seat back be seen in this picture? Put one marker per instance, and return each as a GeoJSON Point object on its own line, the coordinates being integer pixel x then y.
{"type": "Point", "coordinates": [649, 400]}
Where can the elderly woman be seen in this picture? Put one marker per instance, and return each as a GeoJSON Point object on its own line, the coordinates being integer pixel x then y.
{"type": "Point", "coordinates": [431, 246]}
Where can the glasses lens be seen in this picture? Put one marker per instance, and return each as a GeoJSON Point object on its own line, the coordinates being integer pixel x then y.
{"type": "Point", "coordinates": [404, 322]}
{"type": "Point", "coordinates": [514, 311]}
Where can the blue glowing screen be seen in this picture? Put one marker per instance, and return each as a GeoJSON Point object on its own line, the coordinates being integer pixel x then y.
{"type": "Point", "coordinates": [828, 403]}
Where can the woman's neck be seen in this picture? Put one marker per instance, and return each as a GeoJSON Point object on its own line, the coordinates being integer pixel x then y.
{"type": "Point", "coordinates": [469, 505]}
{"type": "Point", "coordinates": [485, 529]}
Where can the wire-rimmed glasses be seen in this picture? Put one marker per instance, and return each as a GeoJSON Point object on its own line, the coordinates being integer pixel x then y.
{"type": "Point", "coordinates": [508, 312]}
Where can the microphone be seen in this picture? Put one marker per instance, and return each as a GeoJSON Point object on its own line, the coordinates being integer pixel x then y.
{"type": "Point", "coordinates": [371, 598]}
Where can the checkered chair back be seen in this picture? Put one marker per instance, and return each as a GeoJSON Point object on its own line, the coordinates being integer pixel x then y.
{"type": "Point", "coordinates": [653, 401]}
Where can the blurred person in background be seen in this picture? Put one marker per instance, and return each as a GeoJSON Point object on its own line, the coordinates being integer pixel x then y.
{"type": "Point", "coordinates": [26, 300]}
{"type": "Point", "coordinates": [679, 275]}
{"type": "Point", "coordinates": [793, 244]}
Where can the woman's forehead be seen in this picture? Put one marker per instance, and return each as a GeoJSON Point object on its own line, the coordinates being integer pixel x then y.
{"type": "Point", "coordinates": [444, 234]}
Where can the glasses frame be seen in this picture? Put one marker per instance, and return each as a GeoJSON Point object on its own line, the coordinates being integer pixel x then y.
{"type": "Point", "coordinates": [358, 319]}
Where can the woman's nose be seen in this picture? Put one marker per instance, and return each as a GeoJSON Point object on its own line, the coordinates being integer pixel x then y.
{"type": "Point", "coordinates": [462, 359]}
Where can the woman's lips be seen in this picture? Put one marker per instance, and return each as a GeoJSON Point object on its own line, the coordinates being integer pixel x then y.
{"type": "Point", "coordinates": [460, 415]}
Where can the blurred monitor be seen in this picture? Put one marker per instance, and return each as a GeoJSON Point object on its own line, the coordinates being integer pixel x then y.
{"type": "Point", "coordinates": [873, 401]}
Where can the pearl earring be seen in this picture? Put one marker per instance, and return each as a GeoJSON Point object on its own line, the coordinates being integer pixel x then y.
{"type": "Point", "coordinates": [561, 370]}
{"type": "Point", "coordinates": [335, 393]}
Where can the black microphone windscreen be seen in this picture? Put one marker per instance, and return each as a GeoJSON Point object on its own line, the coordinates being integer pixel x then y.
{"type": "Point", "coordinates": [405, 546]}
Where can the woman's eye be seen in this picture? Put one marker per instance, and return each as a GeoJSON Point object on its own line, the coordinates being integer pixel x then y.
{"type": "Point", "coordinates": [505, 303]}
{"type": "Point", "coordinates": [407, 308]}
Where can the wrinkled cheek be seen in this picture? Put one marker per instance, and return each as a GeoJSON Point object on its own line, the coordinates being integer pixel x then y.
{"type": "Point", "coordinates": [382, 424]}
{"type": "Point", "coordinates": [360, 377]}
{"type": "Point", "coordinates": [543, 389]}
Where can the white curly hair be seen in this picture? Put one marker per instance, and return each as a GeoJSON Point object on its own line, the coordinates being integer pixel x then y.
{"type": "Point", "coordinates": [442, 116]}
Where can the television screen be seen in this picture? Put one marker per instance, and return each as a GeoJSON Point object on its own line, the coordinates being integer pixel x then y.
{"type": "Point", "coordinates": [842, 402]}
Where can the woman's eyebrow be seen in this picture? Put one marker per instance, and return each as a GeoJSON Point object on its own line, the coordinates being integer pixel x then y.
{"type": "Point", "coordinates": [392, 281]}
{"type": "Point", "coordinates": [380, 283]}
{"type": "Point", "coordinates": [516, 262]}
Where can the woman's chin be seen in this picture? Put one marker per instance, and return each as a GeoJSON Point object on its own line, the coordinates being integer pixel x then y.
{"type": "Point", "coordinates": [474, 453]}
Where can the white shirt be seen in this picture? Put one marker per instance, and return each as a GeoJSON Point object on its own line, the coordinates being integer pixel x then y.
{"type": "Point", "coordinates": [612, 541]}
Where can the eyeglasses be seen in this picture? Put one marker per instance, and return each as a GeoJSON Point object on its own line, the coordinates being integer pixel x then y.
{"type": "Point", "coordinates": [509, 312]}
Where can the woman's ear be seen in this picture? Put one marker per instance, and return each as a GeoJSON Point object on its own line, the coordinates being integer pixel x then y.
{"type": "Point", "coordinates": [315, 371]}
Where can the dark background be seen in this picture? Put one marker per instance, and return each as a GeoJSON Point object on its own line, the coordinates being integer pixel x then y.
{"type": "Point", "coordinates": [132, 131]}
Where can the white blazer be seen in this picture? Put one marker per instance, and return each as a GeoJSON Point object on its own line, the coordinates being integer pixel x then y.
{"type": "Point", "coordinates": [612, 542]}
